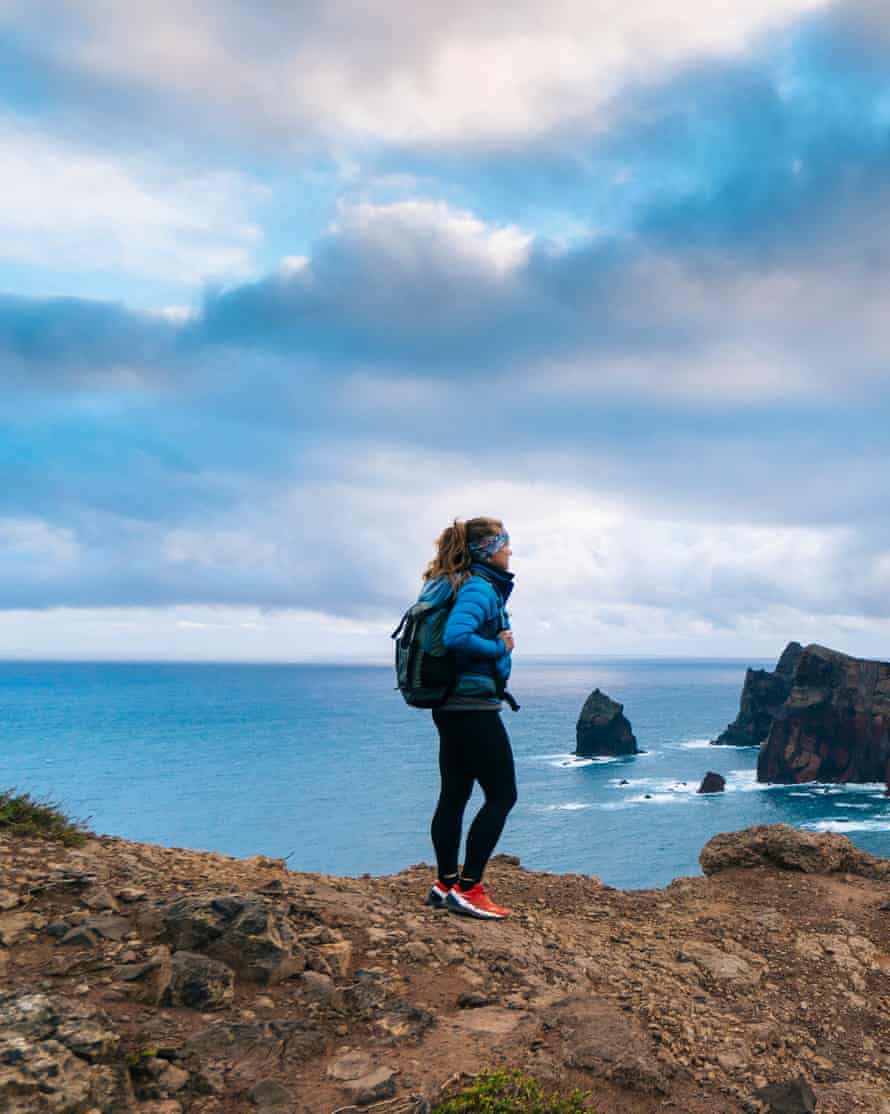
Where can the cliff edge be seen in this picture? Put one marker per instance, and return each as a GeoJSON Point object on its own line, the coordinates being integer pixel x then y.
{"type": "Point", "coordinates": [146, 980]}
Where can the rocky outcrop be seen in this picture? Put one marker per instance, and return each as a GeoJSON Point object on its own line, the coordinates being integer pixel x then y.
{"type": "Point", "coordinates": [763, 694]}
{"type": "Point", "coordinates": [58, 1057]}
{"type": "Point", "coordinates": [712, 783]}
{"type": "Point", "coordinates": [245, 931]}
{"type": "Point", "coordinates": [603, 729]}
{"type": "Point", "coordinates": [834, 724]}
{"type": "Point", "coordinates": [783, 847]}
{"type": "Point", "coordinates": [199, 982]}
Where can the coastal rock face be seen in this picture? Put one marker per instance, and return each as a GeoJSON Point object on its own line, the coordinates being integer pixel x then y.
{"type": "Point", "coordinates": [603, 729]}
{"type": "Point", "coordinates": [712, 783]}
{"type": "Point", "coordinates": [763, 694]}
{"type": "Point", "coordinates": [834, 724]}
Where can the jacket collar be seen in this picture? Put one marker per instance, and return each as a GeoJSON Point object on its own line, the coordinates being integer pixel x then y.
{"type": "Point", "coordinates": [502, 580]}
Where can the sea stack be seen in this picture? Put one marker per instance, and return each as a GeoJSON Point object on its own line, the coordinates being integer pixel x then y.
{"type": "Point", "coordinates": [603, 729]}
{"type": "Point", "coordinates": [712, 783]}
{"type": "Point", "coordinates": [834, 725]}
{"type": "Point", "coordinates": [763, 694]}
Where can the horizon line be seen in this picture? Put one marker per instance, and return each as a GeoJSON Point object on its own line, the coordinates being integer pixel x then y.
{"type": "Point", "coordinates": [376, 662]}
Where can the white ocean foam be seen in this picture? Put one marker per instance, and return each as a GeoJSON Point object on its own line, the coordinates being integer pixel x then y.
{"type": "Point", "coordinates": [572, 761]}
{"type": "Point", "coordinates": [575, 762]}
{"type": "Point", "coordinates": [842, 824]}
{"type": "Point", "coordinates": [657, 785]}
{"type": "Point", "coordinates": [655, 798]}
{"type": "Point", "coordinates": [851, 804]}
{"type": "Point", "coordinates": [745, 781]}
{"type": "Point", "coordinates": [695, 744]}
{"type": "Point", "coordinates": [827, 788]}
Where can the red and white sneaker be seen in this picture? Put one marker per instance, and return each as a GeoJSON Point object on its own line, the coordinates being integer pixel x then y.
{"type": "Point", "coordinates": [475, 902]}
{"type": "Point", "coordinates": [437, 895]}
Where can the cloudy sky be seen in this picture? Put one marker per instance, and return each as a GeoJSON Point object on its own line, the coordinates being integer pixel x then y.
{"type": "Point", "coordinates": [286, 287]}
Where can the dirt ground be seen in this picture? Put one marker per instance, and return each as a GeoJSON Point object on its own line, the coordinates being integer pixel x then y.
{"type": "Point", "coordinates": [685, 999]}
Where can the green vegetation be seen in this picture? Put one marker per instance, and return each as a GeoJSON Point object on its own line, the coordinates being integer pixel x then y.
{"type": "Point", "coordinates": [22, 815]}
{"type": "Point", "coordinates": [511, 1092]}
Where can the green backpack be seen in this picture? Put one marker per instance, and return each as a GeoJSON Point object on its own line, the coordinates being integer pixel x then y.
{"type": "Point", "coordinates": [425, 668]}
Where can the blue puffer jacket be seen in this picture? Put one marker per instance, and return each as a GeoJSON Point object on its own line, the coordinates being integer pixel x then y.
{"type": "Point", "coordinates": [483, 662]}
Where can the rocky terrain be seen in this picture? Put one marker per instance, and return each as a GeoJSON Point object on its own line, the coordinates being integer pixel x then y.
{"type": "Point", "coordinates": [763, 694]}
{"type": "Point", "coordinates": [150, 980]}
{"type": "Point", "coordinates": [834, 724]}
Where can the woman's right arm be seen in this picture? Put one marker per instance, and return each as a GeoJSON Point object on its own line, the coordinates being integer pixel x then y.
{"type": "Point", "coordinates": [467, 616]}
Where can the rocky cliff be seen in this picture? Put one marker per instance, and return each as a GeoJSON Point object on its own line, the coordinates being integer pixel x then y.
{"type": "Point", "coordinates": [834, 723]}
{"type": "Point", "coordinates": [763, 694]}
{"type": "Point", "coordinates": [603, 729]}
{"type": "Point", "coordinates": [145, 980]}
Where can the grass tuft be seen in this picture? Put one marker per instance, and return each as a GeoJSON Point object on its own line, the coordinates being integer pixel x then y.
{"type": "Point", "coordinates": [22, 815]}
{"type": "Point", "coordinates": [511, 1092]}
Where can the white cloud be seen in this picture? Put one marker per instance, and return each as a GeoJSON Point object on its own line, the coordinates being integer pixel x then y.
{"type": "Point", "coordinates": [406, 72]}
{"type": "Point", "coordinates": [34, 541]}
{"type": "Point", "coordinates": [413, 236]}
{"type": "Point", "coordinates": [65, 206]}
{"type": "Point", "coordinates": [599, 570]}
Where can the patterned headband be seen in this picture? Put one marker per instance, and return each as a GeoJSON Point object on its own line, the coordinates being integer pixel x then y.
{"type": "Point", "coordinates": [488, 547]}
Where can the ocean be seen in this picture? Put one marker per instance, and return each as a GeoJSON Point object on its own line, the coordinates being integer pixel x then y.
{"type": "Point", "coordinates": [324, 764]}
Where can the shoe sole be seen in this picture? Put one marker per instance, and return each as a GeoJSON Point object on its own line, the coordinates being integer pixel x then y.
{"type": "Point", "coordinates": [433, 901]}
{"type": "Point", "coordinates": [454, 903]}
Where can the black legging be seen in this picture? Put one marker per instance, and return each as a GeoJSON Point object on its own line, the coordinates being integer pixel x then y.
{"type": "Point", "coordinates": [473, 746]}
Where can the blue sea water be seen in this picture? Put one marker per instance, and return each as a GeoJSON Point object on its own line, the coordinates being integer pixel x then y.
{"type": "Point", "coordinates": [327, 766]}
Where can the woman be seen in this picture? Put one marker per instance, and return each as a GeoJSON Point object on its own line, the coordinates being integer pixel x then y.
{"type": "Point", "coordinates": [472, 560]}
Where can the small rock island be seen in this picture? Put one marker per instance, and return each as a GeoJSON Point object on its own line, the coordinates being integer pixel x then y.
{"type": "Point", "coordinates": [602, 729]}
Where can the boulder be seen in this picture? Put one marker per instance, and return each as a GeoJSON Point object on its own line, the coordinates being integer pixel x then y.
{"type": "Point", "coordinates": [834, 725]}
{"type": "Point", "coordinates": [364, 1080]}
{"type": "Point", "coordinates": [792, 1097]}
{"type": "Point", "coordinates": [245, 931]}
{"type": "Point", "coordinates": [763, 694]}
{"type": "Point", "coordinates": [780, 845]}
{"type": "Point", "coordinates": [148, 981]}
{"type": "Point", "coordinates": [199, 982]}
{"type": "Point", "coordinates": [16, 926]}
{"type": "Point", "coordinates": [603, 729]}
{"type": "Point", "coordinates": [712, 783]}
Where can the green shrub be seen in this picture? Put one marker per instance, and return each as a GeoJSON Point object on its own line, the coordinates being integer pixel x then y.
{"type": "Point", "coordinates": [22, 815]}
{"type": "Point", "coordinates": [511, 1092]}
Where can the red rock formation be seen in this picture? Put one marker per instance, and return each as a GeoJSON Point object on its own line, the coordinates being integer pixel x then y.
{"type": "Point", "coordinates": [763, 694]}
{"type": "Point", "coordinates": [834, 725]}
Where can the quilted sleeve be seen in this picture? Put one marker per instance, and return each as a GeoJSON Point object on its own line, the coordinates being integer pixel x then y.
{"type": "Point", "coordinates": [471, 609]}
